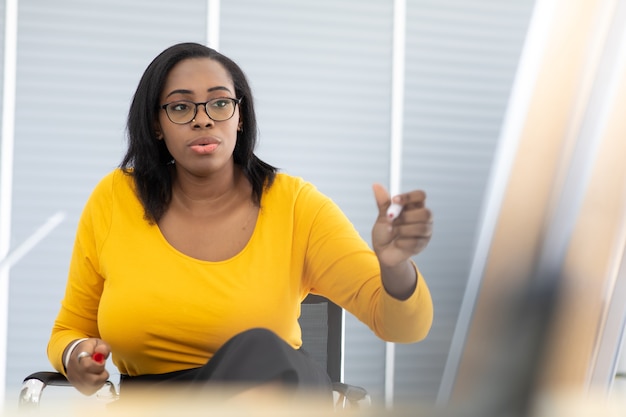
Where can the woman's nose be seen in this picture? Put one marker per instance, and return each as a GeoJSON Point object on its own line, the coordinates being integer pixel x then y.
{"type": "Point", "coordinates": [202, 116]}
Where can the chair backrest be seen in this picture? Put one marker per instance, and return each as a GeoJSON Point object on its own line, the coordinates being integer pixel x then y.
{"type": "Point", "coordinates": [322, 333]}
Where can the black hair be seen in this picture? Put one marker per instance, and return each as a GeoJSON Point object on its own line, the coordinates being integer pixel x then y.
{"type": "Point", "coordinates": [147, 158]}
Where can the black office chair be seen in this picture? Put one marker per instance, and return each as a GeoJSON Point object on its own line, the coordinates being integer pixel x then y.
{"type": "Point", "coordinates": [322, 337]}
{"type": "Point", "coordinates": [322, 323]}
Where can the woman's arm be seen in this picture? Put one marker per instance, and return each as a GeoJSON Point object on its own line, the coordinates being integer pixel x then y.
{"type": "Point", "coordinates": [382, 289]}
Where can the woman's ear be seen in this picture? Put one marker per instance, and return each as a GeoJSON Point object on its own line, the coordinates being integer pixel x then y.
{"type": "Point", "coordinates": [157, 131]}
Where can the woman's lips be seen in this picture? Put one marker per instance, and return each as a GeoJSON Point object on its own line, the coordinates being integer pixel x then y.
{"type": "Point", "coordinates": [204, 145]}
{"type": "Point", "coordinates": [204, 149]}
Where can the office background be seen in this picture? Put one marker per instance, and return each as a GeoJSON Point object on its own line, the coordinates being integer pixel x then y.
{"type": "Point", "coordinates": [321, 72]}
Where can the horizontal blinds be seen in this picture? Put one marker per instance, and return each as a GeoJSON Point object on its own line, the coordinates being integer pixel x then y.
{"type": "Point", "coordinates": [321, 73]}
{"type": "Point", "coordinates": [78, 65]}
{"type": "Point", "coordinates": [461, 57]}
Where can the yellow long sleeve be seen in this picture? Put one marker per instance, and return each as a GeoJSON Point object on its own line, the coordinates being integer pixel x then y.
{"type": "Point", "coordinates": [162, 311]}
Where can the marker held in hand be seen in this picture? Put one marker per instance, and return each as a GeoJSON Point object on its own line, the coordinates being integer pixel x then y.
{"type": "Point", "coordinates": [98, 357]}
{"type": "Point", "coordinates": [394, 211]}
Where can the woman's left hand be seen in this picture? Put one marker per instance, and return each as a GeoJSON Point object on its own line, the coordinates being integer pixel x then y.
{"type": "Point", "coordinates": [396, 240]}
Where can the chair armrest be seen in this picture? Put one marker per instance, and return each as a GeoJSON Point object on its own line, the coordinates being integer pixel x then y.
{"type": "Point", "coordinates": [351, 395]}
{"type": "Point", "coordinates": [34, 384]}
{"type": "Point", "coordinates": [49, 378]}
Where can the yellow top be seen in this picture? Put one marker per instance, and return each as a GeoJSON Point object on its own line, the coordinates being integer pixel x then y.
{"type": "Point", "coordinates": [163, 311]}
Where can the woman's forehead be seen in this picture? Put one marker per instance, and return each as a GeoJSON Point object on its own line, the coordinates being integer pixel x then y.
{"type": "Point", "coordinates": [198, 74]}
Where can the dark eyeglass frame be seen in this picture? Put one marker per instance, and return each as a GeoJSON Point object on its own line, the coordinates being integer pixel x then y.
{"type": "Point", "coordinates": [236, 102]}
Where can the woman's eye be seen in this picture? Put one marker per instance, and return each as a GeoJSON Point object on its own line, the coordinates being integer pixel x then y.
{"type": "Point", "coordinates": [220, 103]}
{"type": "Point", "coordinates": [179, 107]}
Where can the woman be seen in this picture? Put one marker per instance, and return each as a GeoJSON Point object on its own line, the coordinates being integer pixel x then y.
{"type": "Point", "coordinates": [195, 252]}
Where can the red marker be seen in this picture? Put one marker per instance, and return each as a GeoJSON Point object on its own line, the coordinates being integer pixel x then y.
{"type": "Point", "coordinates": [98, 357]}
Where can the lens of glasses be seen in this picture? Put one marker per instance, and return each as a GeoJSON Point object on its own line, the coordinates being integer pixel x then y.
{"type": "Point", "coordinates": [218, 109]}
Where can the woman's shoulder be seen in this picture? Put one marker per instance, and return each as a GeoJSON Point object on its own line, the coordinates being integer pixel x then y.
{"type": "Point", "coordinates": [282, 179]}
{"type": "Point", "coordinates": [115, 179]}
{"type": "Point", "coordinates": [115, 184]}
{"type": "Point", "coordinates": [114, 192]}
{"type": "Point", "coordinates": [290, 183]}
{"type": "Point", "coordinates": [297, 190]}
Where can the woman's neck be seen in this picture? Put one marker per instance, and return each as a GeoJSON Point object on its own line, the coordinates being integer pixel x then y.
{"type": "Point", "coordinates": [216, 193]}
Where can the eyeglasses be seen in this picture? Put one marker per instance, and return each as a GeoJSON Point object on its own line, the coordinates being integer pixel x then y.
{"type": "Point", "coordinates": [184, 111]}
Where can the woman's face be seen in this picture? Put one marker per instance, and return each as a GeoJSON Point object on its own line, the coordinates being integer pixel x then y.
{"type": "Point", "coordinates": [202, 147]}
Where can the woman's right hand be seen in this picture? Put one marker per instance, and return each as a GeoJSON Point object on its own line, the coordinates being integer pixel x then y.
{"type": "Point", "coordinates": [86, 371]}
